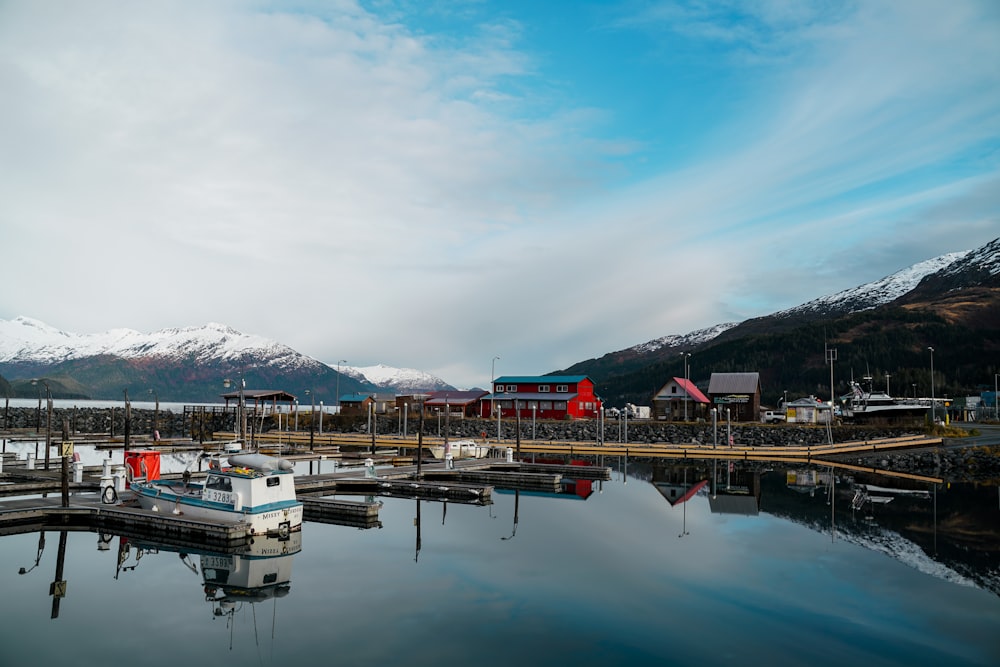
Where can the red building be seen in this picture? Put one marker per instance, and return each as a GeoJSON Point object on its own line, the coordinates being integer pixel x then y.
{"type": "Point", "coordinates": [542, 397]}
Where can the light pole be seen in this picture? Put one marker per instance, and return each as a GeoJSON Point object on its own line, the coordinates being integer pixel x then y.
{"type": "Point", "coordinates": [156, 415]}
{"type": "Point", "coordinates": [493, 392]}
{"type": "Point", "coordinates": [312, 419]}
{"type": "Point", "coordinates": [48, 418]}
{"type": "Point", "coordinates": [339, 362]}
{"type": "Point", "coordinates": [419, 400]}
{"type": "Point", "coordinates": [887, 392]}
{"type": "Point", "coordinates": [240, 407]}
{"type": "Point", "coordinates": [933, 411]}
{"type": "Point", "coordinates": [321, 417]}
{"type": "Point", "coordinates": [996, 406]}
{"type": "Point", "coordinates": [715, 428]}
{"type": "Point", "coordinates": [687, 357]}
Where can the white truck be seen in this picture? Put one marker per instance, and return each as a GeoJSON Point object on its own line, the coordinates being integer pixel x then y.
{"type": "Point", "coordinates": [773, 417]}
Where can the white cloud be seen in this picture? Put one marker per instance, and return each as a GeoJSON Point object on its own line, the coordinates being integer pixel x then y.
{"type": "Point", "coordinates": [359, 188]}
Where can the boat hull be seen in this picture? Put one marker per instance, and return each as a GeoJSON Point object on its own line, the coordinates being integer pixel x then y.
{"type": "Point", "coordinates": [279, 518]}
{"type": "Point", "coordinates": [465, 449]}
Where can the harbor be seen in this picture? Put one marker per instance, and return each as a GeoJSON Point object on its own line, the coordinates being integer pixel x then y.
{"type": "Point", "coordinates": [36, 498]}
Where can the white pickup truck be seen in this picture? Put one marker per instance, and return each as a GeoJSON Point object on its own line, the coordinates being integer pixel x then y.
{"type": "Point", "coordinates": [773, 417]}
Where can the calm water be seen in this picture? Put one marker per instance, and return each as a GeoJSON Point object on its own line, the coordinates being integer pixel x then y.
{"type": "Point", "coordinates": [616, 575]}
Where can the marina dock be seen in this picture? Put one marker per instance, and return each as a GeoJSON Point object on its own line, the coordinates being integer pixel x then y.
{"type": "Point", "coordinates": [468, 481]}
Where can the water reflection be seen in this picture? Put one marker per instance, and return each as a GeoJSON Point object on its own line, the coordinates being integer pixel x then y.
{"type": "Point", "coordinates": [947, 531]}
{"type": "Point", "coordinates": [233, 581]}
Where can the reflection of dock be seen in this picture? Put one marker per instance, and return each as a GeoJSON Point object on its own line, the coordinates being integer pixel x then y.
{"type": "Point", "coordinates": [466, 481]}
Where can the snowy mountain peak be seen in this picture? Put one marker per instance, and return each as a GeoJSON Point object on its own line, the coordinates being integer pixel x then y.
{"type": "Point", "coordinates": [876, 293]}
{"type": "Point", "coordinates": [687, 340]}
{"type": "Point", "coordinates": [396, 379]}
{"type": "Point", "coordinates": [26, 340]}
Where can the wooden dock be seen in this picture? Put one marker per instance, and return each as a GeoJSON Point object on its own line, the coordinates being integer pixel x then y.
{"type": "Point", "coordinates": [467, 481]}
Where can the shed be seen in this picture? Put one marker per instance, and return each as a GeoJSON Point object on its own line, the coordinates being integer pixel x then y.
{"type": "Point", "coordinates": [737, 392]}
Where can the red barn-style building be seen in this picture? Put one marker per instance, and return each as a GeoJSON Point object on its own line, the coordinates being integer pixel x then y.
{"type": "Point", "coordinates": [544, 397]}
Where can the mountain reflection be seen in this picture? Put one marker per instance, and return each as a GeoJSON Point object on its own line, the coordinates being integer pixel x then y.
{"type": "Point", "coordinates": [945, 530]}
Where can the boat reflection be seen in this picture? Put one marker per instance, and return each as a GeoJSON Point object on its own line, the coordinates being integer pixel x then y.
{"type": "Point", "coordinates": [252, 573]}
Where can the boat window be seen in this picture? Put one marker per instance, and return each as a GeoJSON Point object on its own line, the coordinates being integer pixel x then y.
{"type": "Point", "coordinates": [218, 483]}
{"type": "Point", "coordinates": [273, 481]}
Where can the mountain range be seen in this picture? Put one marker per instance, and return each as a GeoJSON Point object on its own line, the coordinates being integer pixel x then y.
{"type": "Point", "coordinates": [186, 364]}
{"type": "Point", "coordinates": [883, 329]}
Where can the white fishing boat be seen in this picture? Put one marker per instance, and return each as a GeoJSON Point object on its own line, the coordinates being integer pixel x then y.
{"type": "Point", "coordinates": [867, 404]}
{"type": "Point", "coordinates": [461, 449]}
{"type": "Point", "coordinates": [256, 489]}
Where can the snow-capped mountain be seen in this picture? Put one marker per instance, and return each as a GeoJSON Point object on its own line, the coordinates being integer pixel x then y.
{"type": "Point", "coordinates": [682, 341]}
{"type": "Point", "coordinates": [876, 293]}
{"type": "Point", "coordinates": [27, 340]}
{"type": "Point", "coordinates": [196, 355]}
{"type": "Point", "coordinates": [400, 380]}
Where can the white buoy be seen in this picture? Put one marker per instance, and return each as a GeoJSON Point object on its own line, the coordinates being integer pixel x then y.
{"type": "Point", "coordinates": [510, 455]}
{"type": "Point", "coordinates": [449, 461]}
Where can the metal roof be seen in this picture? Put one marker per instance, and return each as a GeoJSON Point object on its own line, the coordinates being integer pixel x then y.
{"type": "Point", "coordinates": [692, 391]}
{"type": "Point", "coordinates": [454, 397]}
{"type": "Point", "coordinates": [259, 395]}
{"type": "Point", "coordinates": [734, 383]}
{"type": "Point", "coordinates": [540, 379]}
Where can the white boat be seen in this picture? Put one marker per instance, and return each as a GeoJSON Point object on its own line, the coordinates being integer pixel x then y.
{"type": "Point", "coordinates": [461, 449]}
{"type": "Point", "coordinates": [871, 405]}
{"type": "Point", "coordinates": [256, 489]}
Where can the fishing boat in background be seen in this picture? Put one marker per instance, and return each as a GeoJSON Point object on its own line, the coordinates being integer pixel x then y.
{"type": "Point", "coordinates": [461, 449]}
{"type": "Point", "coordinates": [867, 404]}
{"type": "Point", "coordinates": [256, 489]}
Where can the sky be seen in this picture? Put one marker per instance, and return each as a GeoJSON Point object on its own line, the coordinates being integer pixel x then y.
{"type": "Point", "coordinates": [431, 185]}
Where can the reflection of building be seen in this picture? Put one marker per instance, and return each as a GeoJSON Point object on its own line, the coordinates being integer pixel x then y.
{"type": "Point", "coordinates": [678, 484]}
{"type": "Point", "coordinates": [807, 481]}
{"type": "Point", "coordinates": [735, 491]}
{"type": "Point", "coordinates": [737, 392]}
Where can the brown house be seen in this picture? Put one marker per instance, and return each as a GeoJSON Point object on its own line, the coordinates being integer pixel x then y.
{"type": "Point", "coordinates": [737, 392]}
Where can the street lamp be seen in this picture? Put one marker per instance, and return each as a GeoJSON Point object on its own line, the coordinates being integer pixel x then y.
{"type": "Point", "coordinates": [312, 419]}
{"type": "Point", "coordinates": [156, 415]}
{"type": "Point", "coordinates": [339, 362]}
{"type": "Point", "coordinates": [687, 357]}
{"type": "Point", "coordinates": [48, 418]}
{"type": "Point", "coordinates": [933, 413]}
{"type": "Point", "coordinates": [493, 393]}
{"type": "Point", "coordinates": [996, 406]}
{"type": "Point", "coordinates": [240, 407]}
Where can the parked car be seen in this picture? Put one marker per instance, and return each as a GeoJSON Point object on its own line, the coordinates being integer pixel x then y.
{"type": "Point", "coordinates": [773, 417]}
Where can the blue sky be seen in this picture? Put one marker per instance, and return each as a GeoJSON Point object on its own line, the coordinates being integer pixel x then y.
{"type": "Point", "coordinates": [431, 184]}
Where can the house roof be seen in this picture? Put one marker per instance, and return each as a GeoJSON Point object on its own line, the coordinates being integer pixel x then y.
{"type": "Point", "coordinates": [733, 504]}
{"type": "Point", "coordinates": [692, 391]}
{"type": "Point", "coordinates": [354, 398]}
{"type": "Point", "coordinates": [734, 383]}
{"type": "Point", "coordinates": [259, 395]}
{"type": "Point", "coordinates": [540, 379]}
{"type": "Point", "coordinates": [454, 397]}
